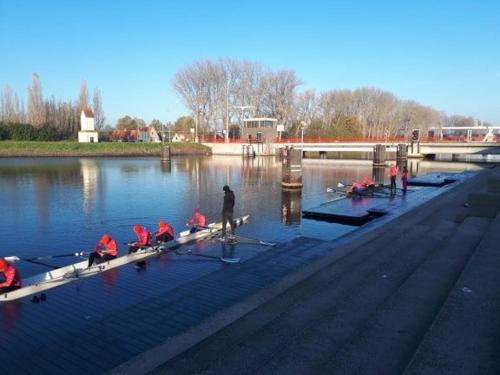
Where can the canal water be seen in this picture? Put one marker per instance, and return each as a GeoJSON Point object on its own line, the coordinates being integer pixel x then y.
{"type": "Point", "coordinates": [62, 205]}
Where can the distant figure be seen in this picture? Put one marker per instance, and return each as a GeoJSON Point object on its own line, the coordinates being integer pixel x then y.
{"type": "Point", "coordinates": [105, 250]}
{"type": "Point", "coordinates": [367, 183]}
{"type": "Point", "coordinates": [11, 277]}
{"type": "Point", "coordinates": [393, 172]}
{"type": "Point", "coordinates": [165, 232]}
{"type": "Point", "coordinates": [227, 210]}
{"type": "Point", "coordinates": [356, 189]}
{"type": "Point", "coordinates": [404, 179]}
{"type": "Point", "coordinates": [253, 153]}
{"type": "Point", "coordinates": [197, 222]}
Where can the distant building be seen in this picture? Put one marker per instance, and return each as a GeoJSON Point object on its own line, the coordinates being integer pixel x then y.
{"type": "Point", "coordinates": [148, 134]}
{"type": "Point", "coordinates": [87, 134]}
{"type": "Point", "coordinates": [259, 130]}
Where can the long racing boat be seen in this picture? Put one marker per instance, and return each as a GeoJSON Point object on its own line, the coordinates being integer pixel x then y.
{"type": "Point", "coordinates": [66, 274]}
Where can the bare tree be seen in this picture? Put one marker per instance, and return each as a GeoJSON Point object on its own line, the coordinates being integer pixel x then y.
{"type": "Point", "coordinates": [83, 97]}
{"type": "Point", "coordinates": [99, 117]}
{"type": "Point", "coordinates": [36, 108]}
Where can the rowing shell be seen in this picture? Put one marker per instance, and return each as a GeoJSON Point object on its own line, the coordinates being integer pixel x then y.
{"type": "Point", "coordinates": [67, 274]}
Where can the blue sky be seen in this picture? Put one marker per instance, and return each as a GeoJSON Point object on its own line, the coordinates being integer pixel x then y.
{"type": "Point", "coordinates": [445, 54]}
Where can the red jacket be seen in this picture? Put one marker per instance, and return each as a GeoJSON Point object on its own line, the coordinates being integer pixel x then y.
{"type": "Point", "coordinates": [165, 229]}
{"type": "Point", "coordinates": [143, 238]}
{"type": "Point", "coordinates": [198, 221]}
{"type": "Point", "coordinates": [110, 248]}
{"type": "Point", "coordinates": [12, 277]}
{"type": "Point", "coordinates": [393, 171]}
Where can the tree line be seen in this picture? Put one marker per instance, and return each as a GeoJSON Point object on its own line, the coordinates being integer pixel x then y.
{"type": "Point", "coordinates": [222, 92]}
{"type": "Point", "coordinates": [45, 119]}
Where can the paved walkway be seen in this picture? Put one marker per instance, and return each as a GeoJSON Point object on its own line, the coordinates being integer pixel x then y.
{"type": "Point", "coordinates": [418, 296]}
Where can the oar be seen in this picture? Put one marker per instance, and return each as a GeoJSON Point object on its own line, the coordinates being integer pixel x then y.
{"type": "Point", "coordinates": [13, 258]}
{"type": "Point", "coordinates": [256, 241]}
{"type": "Point", "coordinates": [222, 259]}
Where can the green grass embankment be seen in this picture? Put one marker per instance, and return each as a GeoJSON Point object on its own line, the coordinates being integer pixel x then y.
{"type": "Point", "coordinates": [23, 149]}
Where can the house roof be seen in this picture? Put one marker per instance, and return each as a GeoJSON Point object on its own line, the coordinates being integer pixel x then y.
{"type": "Point", "coordinates": [88, 113]}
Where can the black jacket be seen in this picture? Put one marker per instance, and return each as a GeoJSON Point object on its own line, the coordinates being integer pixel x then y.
{"type": "Point", "coordinates": [228, 202]}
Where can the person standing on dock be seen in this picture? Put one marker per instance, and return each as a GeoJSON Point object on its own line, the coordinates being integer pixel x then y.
{"type": "Point", "coordinates": [11, 277]}
{"type": "Point", "coordinates": [197, 222]}
{"type": "Point", "coordinates": [404, 179]}
{"type": "Point", "coordinates": [105, 250]}
{"type": "Point", "coordinates": [227, 211]}
{"type": "Point", "coordinates": [393, 173]}
{"type": "Point", "coordinates": [165, 232]}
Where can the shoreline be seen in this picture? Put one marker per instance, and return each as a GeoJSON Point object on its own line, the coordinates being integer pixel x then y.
{"type": "Point", "coordinates": [18, 149]}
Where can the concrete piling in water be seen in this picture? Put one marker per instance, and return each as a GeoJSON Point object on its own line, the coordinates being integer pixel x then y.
{"type": "Point", "coordinates": [402, 155]}
{"type": "Point", "coordinates": [378, 175]}
{"type": "Point", "coordinates": [379, 155]}
{"type": "Point", "coordinates": [165, 153]}
{"type": "Point", "coordinates": [291, 172]}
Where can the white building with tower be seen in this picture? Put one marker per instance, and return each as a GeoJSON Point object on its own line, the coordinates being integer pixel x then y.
{"type": "Point", "coordinates": [87, 134]}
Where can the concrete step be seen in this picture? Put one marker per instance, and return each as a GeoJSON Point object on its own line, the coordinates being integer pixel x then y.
{"type": "Point", "coordinates": [386, 342]}
{"type": "Point", "coordinates": [472, 310]}
{"type": "Point", "coordinates": [337, 299]}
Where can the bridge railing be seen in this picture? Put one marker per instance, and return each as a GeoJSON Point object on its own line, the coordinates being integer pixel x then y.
{"type": "Point", "coordinates": [392, 140]}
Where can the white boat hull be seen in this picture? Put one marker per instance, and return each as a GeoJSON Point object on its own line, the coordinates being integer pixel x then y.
{"type": "Point", "coordinates": [67, 274]}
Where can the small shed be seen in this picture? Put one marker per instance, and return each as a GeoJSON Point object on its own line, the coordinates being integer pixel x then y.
{"type": "Point", "coordinates": [87, 134]}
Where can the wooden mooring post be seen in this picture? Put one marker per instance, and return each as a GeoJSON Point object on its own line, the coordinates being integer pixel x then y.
{"type": "Point", "coordinates": [291, 172]}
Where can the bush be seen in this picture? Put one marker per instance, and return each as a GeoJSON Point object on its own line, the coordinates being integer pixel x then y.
{"type": "Point", "coordinates": [26, 132]}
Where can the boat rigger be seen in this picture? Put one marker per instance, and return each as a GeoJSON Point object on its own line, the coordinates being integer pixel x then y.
{"type": "Point", "coordinates": [67, 274]}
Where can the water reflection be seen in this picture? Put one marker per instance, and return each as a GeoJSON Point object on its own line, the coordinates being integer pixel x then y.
{"type": "Point", "coordinates": [291, 211]}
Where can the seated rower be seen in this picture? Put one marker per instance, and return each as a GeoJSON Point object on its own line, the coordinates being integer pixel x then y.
{"type": "Point", "coordinates": [197, 222]}
{"type": "Point", "coordinates": [11, 276]}
{"type": "Point", "coordinates": [367, 183]}
{"type": "Point", "coordinates": [143, 239]}
{"type": "Point", "coordinates": [356, 188]}
{"type": "Point", "coordinates": [165, 232]}
{"type": "Point", "coordinates": [105, 250]}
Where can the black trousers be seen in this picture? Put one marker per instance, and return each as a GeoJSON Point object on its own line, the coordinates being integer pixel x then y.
{"type": "Point", "coordinates": [165, 237]}
{"type": "Point", "coordinates": [95, 257]}
{"type": "Point", "coordinates": [227, 217]}
{"type": "Point", "coordinates": [393, 182]}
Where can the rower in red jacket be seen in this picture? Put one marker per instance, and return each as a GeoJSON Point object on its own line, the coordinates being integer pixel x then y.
{"type": "Point", "coordinates": [367, 183]}
{"type": "Point", "coordinates": [165, 232]}
{"type": "Point", "coordinates": [105, 250]}
{"type": "Point", "coordinates": [197, 222]}
{"type": "Point", "coordinates": [143, 239]}
{"type": "Point", "coordinates": [12, 278]}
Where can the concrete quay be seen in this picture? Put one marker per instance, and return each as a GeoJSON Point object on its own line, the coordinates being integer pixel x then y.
{"type": "Point", "coordinates": [417, 295]}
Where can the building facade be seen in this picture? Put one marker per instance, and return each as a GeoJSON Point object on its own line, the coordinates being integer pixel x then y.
{"type": "Point", "coordinates": [259, 130]}
{"type": "Point", "coordinates": [87, 134]}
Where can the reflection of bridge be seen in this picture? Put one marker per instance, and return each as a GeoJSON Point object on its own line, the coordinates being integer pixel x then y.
{"type": "Point", "coordinates": [424, 148]}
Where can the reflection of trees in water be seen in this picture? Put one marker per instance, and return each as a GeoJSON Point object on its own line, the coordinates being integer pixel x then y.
{"type": "Point", "coordinates": [42, 175]}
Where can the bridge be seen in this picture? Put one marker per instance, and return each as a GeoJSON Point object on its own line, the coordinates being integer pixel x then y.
{"type": "Point", "coordinates": [423, 148]}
